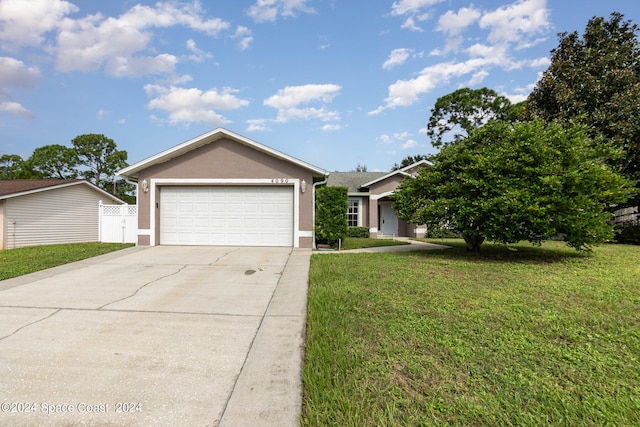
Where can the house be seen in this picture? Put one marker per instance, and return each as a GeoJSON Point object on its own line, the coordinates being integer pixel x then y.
{"type": "Point", "coordinates": [221, 188]}
{"type": "Point", "coordinates": [49, 211]}
{"type": "Point", "coordinates": [369, 195]}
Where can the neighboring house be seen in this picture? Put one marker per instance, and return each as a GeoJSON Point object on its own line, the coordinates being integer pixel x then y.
{"type": "Point", "coordinates": [221, 188]}
{"type": "Point", "coordinates": [370, 200]}
{"type": "Point", "coordinates": [49, 211]}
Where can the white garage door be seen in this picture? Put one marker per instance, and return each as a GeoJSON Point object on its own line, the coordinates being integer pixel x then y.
{"type": "Point", "coordinates": [235, 216]}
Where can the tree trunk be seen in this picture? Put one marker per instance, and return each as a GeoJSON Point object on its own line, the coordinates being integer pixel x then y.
{"type": "Point", "coordinates": [473, 242]}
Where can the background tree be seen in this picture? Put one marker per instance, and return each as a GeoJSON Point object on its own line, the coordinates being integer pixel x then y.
{"type": "Point", "coordinates": [102, 158]}
{"type": "Point", "coordinates": [53, 161]}
{"type": "Point", "coordinates": [464, 110]}
{"type": "Point", "coordinates": [360, 168]}
{"type": "Point", "coordinates": [125, 191]}
{"type": "Point", "coordinates": [511, 182]}
{"type": "Point", "coordinates": [595, 80]}
{"type": "Point", "coordinates": [11, 166]}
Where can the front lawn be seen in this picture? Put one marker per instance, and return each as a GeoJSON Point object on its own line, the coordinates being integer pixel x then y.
{"type": "Point", "coordinates": [510, 336]}
{"type": "Point", "coordinates": [16, 262]}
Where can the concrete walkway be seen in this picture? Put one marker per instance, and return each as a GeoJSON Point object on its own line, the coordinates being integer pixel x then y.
{"type": "Point", "coordinates": [414, 245]}
{"type": "Point", "coordinates": [156, 336]}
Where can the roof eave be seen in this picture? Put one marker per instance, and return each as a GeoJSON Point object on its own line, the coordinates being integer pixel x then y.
{"type": "Point", "coordinates": [58, 186]}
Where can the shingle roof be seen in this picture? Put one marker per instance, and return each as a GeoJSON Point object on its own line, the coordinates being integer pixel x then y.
{"type": "Point", "coordinates": [13, 186]}
{"type": "Point", "coordinates": [352, 180]}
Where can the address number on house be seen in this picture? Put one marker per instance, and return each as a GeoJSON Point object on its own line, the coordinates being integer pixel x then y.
{"type": "Point", "coordinates": [280, 180]}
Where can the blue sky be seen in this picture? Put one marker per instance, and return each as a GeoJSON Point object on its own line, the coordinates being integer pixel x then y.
{"type": "Point", "coordinates": [335, 83]}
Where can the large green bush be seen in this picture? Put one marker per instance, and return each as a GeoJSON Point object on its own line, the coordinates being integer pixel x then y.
{"type": "Point", "coordinates": [331, 214]}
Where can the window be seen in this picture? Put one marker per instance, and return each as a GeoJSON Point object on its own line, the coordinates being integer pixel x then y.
{"type": "Point", "coordinates": [353, 213]}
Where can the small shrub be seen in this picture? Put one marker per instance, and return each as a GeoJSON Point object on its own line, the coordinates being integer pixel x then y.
{"type": "Point", "coordinates": [331, 214]}
{"type": "Point", "coordinates": [362, 232]}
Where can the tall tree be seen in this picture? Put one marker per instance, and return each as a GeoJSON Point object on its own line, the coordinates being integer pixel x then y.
{"type": "Point", "coordinates": [511, 182]}
{"type": "Point", "coordinates": [459, 112]}
{"type": "Point", "coordinates": [54, 161]}
{"type": "Point", "coordinates": [595, 80]}
{"type": "Point", "coordinates": [101, 157]}
{"type": "Point", "coordinates": [11, 166]}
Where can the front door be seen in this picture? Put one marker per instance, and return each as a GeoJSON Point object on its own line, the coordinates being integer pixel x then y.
{"type": "Point", "coordinates": [388, 219]}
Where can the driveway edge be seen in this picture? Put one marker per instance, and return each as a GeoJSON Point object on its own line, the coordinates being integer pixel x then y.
{"type": "Point", "coordinates": [268, 391]}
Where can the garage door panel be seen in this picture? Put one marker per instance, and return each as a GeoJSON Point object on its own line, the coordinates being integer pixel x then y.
{"type": "Point", "coordinates": [214, 215]}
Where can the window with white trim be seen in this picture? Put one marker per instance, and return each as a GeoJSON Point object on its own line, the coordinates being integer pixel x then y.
{"type": "Point", "coordinates": [353, 213]}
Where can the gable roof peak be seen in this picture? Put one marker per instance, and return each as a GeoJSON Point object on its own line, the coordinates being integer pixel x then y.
{"type": "Point", "coordinates": [404, 171]}
{"type": "Point", "coordinates": [208, 138]}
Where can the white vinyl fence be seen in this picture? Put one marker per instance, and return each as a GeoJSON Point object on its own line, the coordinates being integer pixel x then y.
{"type": "Point", "coordinates": [118, 223]}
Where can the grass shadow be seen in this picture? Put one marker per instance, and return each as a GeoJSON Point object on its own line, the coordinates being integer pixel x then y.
{"type": "Point", "coordinates": [549, 252]}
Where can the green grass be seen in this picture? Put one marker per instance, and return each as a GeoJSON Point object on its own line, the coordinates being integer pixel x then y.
{"type": "Point", "coordinates": [363, 242]}
{"type": "Point", "coordinates": [17, 262]}
{"type": "Point", "coordinates": [512, 336]}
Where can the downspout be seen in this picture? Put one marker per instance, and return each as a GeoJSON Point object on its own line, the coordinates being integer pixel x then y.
{"type": "Point", "coordinates": [313, 211]}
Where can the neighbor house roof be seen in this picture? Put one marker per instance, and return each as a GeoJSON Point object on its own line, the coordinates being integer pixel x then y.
{"type": "Point", "coordinates": [20, 187]}
{"type": "Point", "coordinates": [352, 180]}
{"type": "Point", "coordinates": [403, 171]}
{"type": "Point", "coordinates": [207, 138]}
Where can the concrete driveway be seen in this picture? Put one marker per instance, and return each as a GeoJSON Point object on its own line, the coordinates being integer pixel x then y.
{"type": "Point", "coordinates": [156, 336]}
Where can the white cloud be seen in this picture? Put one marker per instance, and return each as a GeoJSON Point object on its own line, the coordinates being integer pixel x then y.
{"type": "Point", "coordinates": [453, 23]}
{"type": "Point", "coordinates": [516, 98]}
{"type": "Point", "coordinates": [122, 66]}
{"type": "Point", "coordinates": [497, 53]}
{"type": "Point", "coordinates": [512, 22]}
{"type": "Point", "coordinates": [192, 105]}
{"type": "Point", "coordinates": [413, 10]}
{"type": "Point", "coordinates": [292, 96]}
{"type": "Point", "coordinates": [290, 101]}
{"type": "Point", "coordinates": [15, 108]}
{"type": "Point", "coordinates": [269, 10]}
{"type": "Point", "coordinates": [405, 7]}
{"type": "Point", "coordinates": [257, 125]}
{"type": "Point", "coordinates": [244, 37]}
{"type": "Point", "coordinates": [396, 57]}
{"type": "Point", "coordinates": [87, 44]}
{"type": "Point", "coordinates": [24, 23]}
{"type": "Point", "coordinates": [197, 55]}
{"type": "Point", "coordinates": [543, 62]}
{"type": "Point", "coordinates": [331, 127]}
{"type": "Point", "coordinates": [404, 93]}
{"type": "Point", "coordinates": [402, 138]}
{"type": "Point", "coordinates": [102, 113]}
{"type": "Point", "coordinates": [477, 78]}
{"type": "Point", "coordinates": [386, 139]}
{"type": "Point", "coordinates": [510, 28]}
{"type": "Point", "coordinates": [520, 93]}
{"type": "Point", "coordinates": [14, 73]}
{"type": "Point", "coordinates": [410, 143]}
